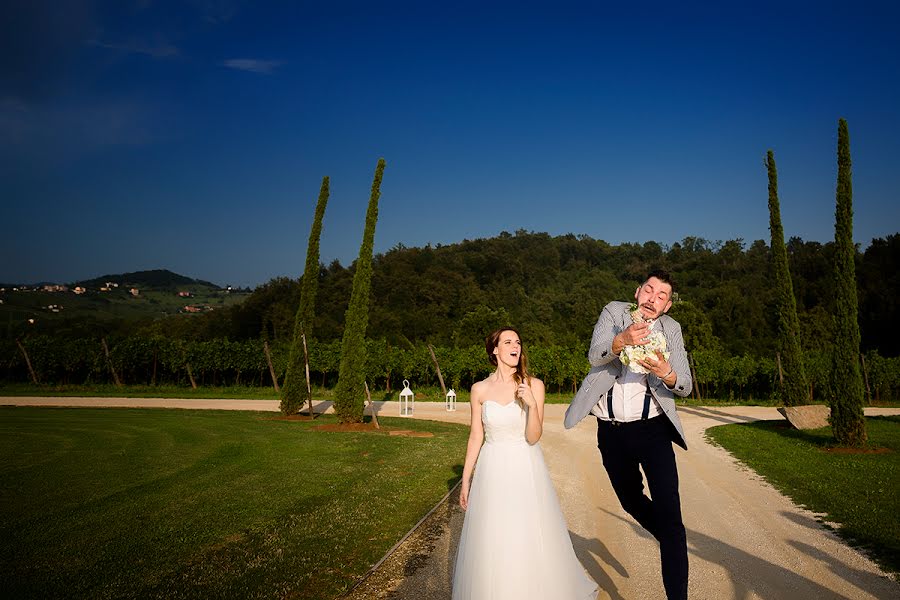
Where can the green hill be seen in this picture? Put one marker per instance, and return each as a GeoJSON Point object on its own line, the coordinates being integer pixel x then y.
{"type": "Point", "coordinates": [159, 293]}
{"type": "Point", "coordinates": [157, 279]}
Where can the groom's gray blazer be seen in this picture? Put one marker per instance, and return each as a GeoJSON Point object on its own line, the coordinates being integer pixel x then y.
{"type": "Point", "coordinates": [606, 367]}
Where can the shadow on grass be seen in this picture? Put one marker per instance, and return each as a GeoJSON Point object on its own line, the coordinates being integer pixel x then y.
{"type": "Point", "coordinates": [822, 438]}
{"type": "Point", "coordinates": [457, 475]}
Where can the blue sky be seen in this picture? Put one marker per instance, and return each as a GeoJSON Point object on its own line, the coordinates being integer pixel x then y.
{"type": "Point", "coordinates": [193, 135]}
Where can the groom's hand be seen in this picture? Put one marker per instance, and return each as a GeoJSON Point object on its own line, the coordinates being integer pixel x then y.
{"type": "Point", "coordinates": [633, 335]}
{"type": "Point", "coordinates": [659, 367]}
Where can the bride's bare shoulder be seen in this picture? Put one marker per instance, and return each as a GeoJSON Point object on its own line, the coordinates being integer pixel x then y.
{"type": "Point", "coordinates": [535, 383]}
{"type": "Point", "coordinates": [479, 388]}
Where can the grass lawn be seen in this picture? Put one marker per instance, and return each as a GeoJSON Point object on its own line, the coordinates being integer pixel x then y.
{"type": "Point", "coordinates": [140, 391]}
{"type": "Point", "coordinates": [100, 503]}
{"type": "Point", "coordinates": [859, 491]}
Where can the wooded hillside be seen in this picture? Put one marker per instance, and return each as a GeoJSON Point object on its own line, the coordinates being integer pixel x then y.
{"type": "Point", "coordinates": [553, 288]}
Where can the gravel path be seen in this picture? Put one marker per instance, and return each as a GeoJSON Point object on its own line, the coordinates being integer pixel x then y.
{"type": "Point", "coordinates": [745, 539]}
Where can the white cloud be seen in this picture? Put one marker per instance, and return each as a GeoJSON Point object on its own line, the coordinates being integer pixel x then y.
{"type": "Point", "coordinates": [266, 67]}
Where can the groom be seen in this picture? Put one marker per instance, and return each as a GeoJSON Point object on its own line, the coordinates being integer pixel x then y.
{"type": "Point", "coordinates": [636, 418]}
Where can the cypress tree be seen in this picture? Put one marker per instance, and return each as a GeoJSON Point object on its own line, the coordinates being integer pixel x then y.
{"type": "Point", "coordinates": [349, 391]}
{"type": "Point", "coordinates": [793, 389]}
{"type": "Point", "coordinates": [295, 392]}
{"type": "Point", "coordinates": [846, 385]}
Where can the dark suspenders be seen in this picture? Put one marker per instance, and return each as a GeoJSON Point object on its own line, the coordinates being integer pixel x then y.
{"type": "Point", "coordinates": [609, 410]}
{"type": "Point", "coordinates": [644, 413]}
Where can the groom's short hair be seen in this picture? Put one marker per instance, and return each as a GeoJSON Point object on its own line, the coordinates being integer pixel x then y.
{"type": "Point", "coordinates": [663, 276]}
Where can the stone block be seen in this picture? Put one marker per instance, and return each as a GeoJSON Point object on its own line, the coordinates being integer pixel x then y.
{"type": "Point", "coordinates": [808, 416]}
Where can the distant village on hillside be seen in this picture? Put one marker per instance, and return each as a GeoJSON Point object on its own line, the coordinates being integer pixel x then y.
{"type": "Point", "coordinates": [105, 288]}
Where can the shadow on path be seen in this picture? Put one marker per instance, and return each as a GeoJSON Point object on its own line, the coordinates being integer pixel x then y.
{"type": "Point", "coordinates": [455, 531]}
{"type": "Point", "coordinates": [807, 522]}
{"type": "Point", "coordinates": [751, 574]}
{"type": "Point", "coordinates": [841, 569]}
{"type": "Point", "coordinates": [715, 415]}
{"type": "Point", "coordinates": [586, 550]}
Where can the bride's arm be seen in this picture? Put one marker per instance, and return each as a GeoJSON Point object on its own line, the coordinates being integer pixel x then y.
{"type": "Point", "coordinates": [476, 438]}
{"type": "Point", "coordinates": [533, 397]}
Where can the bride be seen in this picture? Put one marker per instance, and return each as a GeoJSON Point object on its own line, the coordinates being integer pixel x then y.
{"type": "Point", "coordinates": [514, 544]}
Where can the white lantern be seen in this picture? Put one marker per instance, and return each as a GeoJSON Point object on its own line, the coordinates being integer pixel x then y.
{"type": "Point", "coordinates": [407, 400]}
{"type": "Point", "coordinates": [451, 400]}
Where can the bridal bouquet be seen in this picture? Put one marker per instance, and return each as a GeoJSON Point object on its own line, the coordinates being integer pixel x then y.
{"type": "Point", "coordinates": [632, 354]}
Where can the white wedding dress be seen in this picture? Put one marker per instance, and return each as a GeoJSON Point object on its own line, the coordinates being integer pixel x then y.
{"type": "Point", "coordinates": [515, 544]}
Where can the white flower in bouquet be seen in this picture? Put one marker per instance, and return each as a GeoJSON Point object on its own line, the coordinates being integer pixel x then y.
{"type": "Point", "coordinates": [656, 341]}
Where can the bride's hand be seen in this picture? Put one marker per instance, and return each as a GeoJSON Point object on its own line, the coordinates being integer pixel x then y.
{"type": "Point", "coordinates": [524, 393]}
{"type": "Point", "coordinates": [464, 497]}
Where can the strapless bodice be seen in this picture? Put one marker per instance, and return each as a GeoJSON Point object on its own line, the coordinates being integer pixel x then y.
{"type": "Point", "coordinates": [503, 423]}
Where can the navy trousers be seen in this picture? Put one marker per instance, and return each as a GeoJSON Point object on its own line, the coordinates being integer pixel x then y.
{"type": "Point", "coordinates": [647, 444]}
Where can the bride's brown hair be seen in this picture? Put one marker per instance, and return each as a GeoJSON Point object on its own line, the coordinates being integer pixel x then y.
{"type": "Point", "coordinates": [493, 340]}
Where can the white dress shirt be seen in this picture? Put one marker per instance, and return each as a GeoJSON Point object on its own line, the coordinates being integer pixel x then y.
{"type": "Point", "coordinates": [628, 397]}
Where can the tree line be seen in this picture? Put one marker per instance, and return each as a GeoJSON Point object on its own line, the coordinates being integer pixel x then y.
{"type": "Point", "coordinates": [553, 288]}
{"type": "Point", "coordinates": [164, 361]}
